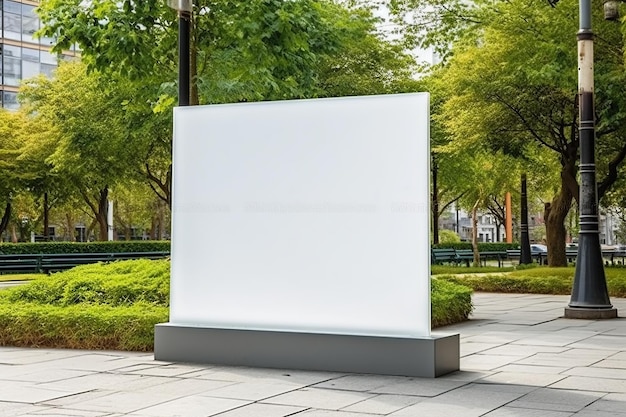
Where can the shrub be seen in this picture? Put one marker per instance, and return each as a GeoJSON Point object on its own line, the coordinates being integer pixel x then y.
{"type": "Point", "coordinates": [482, 247]}
{"type": "Point", "coordinates": [115, 284]}
{"type": "Point", "coordinates": [85, 247]}
{"type": "Point", "coordinates": [80, 326]}
{"type": "Point", "coordinates": [448, 236]}
{"type": "Point", "coordinates": [451, 302]}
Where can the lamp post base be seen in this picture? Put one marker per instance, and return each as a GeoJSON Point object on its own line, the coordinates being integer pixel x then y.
{"type": "Point", "coordinates": [590, 313]}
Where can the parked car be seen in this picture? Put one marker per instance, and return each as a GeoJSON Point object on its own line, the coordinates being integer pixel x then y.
{"type": "Point", "coordinates": [537, 249]}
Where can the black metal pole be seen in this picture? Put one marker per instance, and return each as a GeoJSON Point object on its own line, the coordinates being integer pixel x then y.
{"type": "Point", "coordinates": [184, 23]}
{"type": "Point", "coordinates": [525, 255]}
{"type": "Point", "coordinates": [590, 297]}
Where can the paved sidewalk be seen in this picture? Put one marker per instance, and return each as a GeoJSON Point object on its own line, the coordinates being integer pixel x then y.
{"type": "Point", "coordinates": [518, 359]}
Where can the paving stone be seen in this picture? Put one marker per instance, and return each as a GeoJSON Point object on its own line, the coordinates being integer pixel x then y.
{"type": "Point", "coordinates": [520, 378]}
{"type": "Point", "coordinates": [469, 348]}
{"type": "Point", "coordinates": [525, 412]}
{"type": "Point", "coordinates": [252, 391]}
{"type": "Point", "coordinates": [263, 410]}
{"type": "Point", "coordinates": [422, 387]}
{"type": "Point", "coordinates": [329, 413]}
{"type": "Point", "coordinates": [384, 404]}
{"type": "Point", "coordinates": [123, 402]}
{"type": "Point", "coordinates": [484, 362]}
{"type": "Point", "coordinates": [610, 402]}
{"type": "Point", "coordinates": [533, 369]}
{"type": "Point", "coordinates": [319, 398]}
{"type": "Point", "coordinates": [470, 401]}
{"type": "Point", "coordinates": [592, 384]}
{"type": "Point", "coordinates": [601, 342]}
{"type": "Point", "coordinates": [596, 413]}
{"type": "Point", "coordinates": [556, 400]}
{"type": "Point", "coordinates": [362, 382]}
{"type": "Point", "coordinates": [191, 406]}
{"type": "Point", "coordinates": [15, 409]}
{"type": "Point", "coordinates": [597, 372]}
{"type": "Point", "coordinates": [28, 392]}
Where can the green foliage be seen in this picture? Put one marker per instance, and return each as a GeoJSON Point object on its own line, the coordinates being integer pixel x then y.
{"type": "Point", "coordinates": [452, 270]}
{"type": "Point", "coordinates": [448, 236]}
{"type": "Point", "coordinates": [451, 302]}
{"type": "Point", "coordinates": [539, 280]}
{"type": "Point", "coordinates": [115, 306]}
{"type": "Point", "coordinates": [482, 247]}
{"type": "Point", "coordinates": [86, 247]}
{"type": "Point", "coordinates": [80, 326]}
{"type": "Point", "coordinates": [112, 306]}
{"type": "Point", "coordinates": [115, 284]}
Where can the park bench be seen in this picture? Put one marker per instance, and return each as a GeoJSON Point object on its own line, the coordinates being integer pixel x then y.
{"type": "Point", "coordinates": [465, 256]}
{"type": "Point", "coordinates": [441, 256]}
{"type": "Point", "coordinates": [499, 256]}
{"type": "Point", "coordinates": [63, 261]}
{"type": "Point", "coordinates": [19, 263]}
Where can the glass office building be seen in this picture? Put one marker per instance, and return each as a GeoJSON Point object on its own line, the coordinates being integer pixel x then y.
{"type": "Point", "coordinates": [23, 55]}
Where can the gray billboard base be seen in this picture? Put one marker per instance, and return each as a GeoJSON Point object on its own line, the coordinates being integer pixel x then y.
{"type": "Point", "coordinates": [421, 357]}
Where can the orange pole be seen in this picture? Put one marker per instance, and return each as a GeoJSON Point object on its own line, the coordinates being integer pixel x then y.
{"type": "Point", "coordinates": [509, 219]}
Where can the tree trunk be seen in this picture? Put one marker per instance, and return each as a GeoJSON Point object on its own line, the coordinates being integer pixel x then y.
{"type": "Point", "coordinates": [556, 234]}
{"type": "Point", "coordinates": [475, 233]}
{"type": "Point", "coordinates": [46, 218]}
{"type": "Point", "coordinates": [5, 217]}
{"type": "Point", "coordinates": [13, 231]}
{"type": "Point", "coordinates": [435, 202]}
{"type": "Point", "coordinates": [71, 229]}
{"type": "Point", "coordinates": [101, 215]}
{"type": "Point", "coordinates": [555, 213]}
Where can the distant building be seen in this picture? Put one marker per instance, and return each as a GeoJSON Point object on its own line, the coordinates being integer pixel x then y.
{"type": "Point", "coordinates": [23, 56]}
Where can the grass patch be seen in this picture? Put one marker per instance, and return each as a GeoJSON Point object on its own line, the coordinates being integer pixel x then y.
{"type": "Point", "coordinates": [21, 277]}
{"type": "Point", "coordinates": [115, 306]}
{"type": "Point", "coordinates": [539, 280]}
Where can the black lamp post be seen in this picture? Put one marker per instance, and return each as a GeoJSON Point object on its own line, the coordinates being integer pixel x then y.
{"type": "Point", "coordinates": [590, 297]}
{"type": "Point", "coordinates": [525, 254]}
{"type": "Point", "coordinates": [184, 8]}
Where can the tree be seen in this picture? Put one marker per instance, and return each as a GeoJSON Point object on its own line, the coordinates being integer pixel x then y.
{"type": "Point", "coordinates": [241, 51]}
{"type": "Point", "coordinates": [11, 178]}
{"type": "Point", "coordinates": [91, 153]}
{"type": "Point", "coordinates": [513, 88]}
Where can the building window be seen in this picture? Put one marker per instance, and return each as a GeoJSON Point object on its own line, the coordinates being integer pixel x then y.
{"type": "Point", "coordinates": [30, 63]}
{"type": "Point", "coordinates": [30, 23]}
{"type": "Point", "coordinates": [12, 20]}
{"type": "Point", "coordinates": [9, 100]}
{"type": "Point", "coordinates": [11, 65]}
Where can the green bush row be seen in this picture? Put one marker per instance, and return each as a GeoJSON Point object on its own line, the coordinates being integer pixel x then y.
{"type": "Point", "coordinates": [86, 247]}
{"type": "Point", "coordinates": [482, 247]}
{"type": "Point", "coordinates": [539, 280]}
{"type": "Point", "coordinates": [451, 302]}
{"type": "Point", "coordinates": [116, 306]}
{"type": "Point", "coordinates": [80, 326]}
{"type": "Point", "coordinates": [114, 284]}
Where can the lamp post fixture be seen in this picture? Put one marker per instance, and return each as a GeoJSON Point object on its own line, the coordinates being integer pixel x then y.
{"type": "Point", "coordinates": [184, 8]}
{"type": "Point", "coordinates": [590, 297]}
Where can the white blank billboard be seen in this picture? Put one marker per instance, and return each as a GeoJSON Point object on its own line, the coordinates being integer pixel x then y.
{"type": "Point", "coordinates": [304, 216]}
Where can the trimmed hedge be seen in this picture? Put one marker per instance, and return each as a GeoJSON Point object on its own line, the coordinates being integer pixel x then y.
{"type": "Point", "coordinates": [80, 326]}
{"type": "Point", "coordinates": [451, 302]}
{"type": "Point", "coordinates": [482, 247]}
{"type": "Point", "coordinates": [539, 280]}
{"type": "Point", "coordinates": [85, 247]}
{"type": "Point", "coordinates": [116, 306]}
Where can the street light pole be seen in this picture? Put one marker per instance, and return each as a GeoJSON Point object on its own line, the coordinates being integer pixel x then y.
{"type": "Point", "coordinates": [590, 297]}
{"type": "Point", "coordinates": [184, 8]}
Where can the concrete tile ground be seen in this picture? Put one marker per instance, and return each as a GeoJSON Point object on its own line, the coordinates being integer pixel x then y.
{"type": "Point", "coordinates": [519, 359]}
